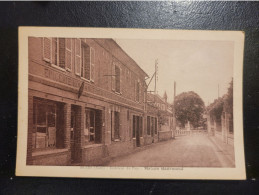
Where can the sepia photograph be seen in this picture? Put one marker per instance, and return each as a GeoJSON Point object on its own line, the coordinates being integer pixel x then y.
{"type": "Point", "coordinates": [130, 103]}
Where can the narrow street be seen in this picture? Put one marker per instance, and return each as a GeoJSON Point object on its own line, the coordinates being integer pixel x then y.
{"type": "Point", "coordinates": [197, 150]}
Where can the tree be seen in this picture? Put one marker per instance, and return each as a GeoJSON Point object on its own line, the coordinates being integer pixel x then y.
{"type": "Point", "coordinates": [228, 103]}
{"type": "Point", "coordinates": [189, 107]}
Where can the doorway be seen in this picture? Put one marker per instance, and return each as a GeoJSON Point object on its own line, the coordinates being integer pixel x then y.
{"type": "Point", "coordinates": [75, 134]}
{"type": "Point", "coordinates": [137, 129]}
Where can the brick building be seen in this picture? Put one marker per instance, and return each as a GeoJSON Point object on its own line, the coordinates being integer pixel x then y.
{"type": "Point", "coordinates": [86, 101]}
{"type": "Point", "coordinates": [159, 109]}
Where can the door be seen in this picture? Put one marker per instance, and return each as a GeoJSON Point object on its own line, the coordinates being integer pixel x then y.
{"type": "Point", "coordinates": [75, 134]}
{"type": "Point", "coordinates": [116, 125]}
{"type": "Point", "coordinates": [72, 135]}
{"type": "Point", "coordinates": [137, 131]}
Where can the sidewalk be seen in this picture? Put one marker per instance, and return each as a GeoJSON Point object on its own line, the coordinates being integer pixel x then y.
{"type": "Point", "coordinates": [105, 161]}
{"type": "Point", "coordinates": [226, 149]}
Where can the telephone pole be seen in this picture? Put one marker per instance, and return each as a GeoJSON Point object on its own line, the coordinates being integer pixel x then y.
{"type": "Point", "coordinates": [174, 119]}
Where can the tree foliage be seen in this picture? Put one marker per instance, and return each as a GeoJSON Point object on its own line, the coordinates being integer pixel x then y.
{"type": "Point", "coordinates": [189, 107]}
{"type": "Point", "coordinates": [228, 101]}
{"type": "Point", "coordinates": [221, 104]}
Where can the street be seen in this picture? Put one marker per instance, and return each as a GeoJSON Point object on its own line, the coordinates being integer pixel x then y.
{"type": "Point", "coordinates": [197, 150]}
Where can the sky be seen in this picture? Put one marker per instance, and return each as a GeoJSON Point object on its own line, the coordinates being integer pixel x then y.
{"type": "Point", "coordinates": [199, 66]}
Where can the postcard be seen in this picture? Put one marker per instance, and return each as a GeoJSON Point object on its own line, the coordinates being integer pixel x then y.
{"type": "Point", "coordinates": [130, 103]}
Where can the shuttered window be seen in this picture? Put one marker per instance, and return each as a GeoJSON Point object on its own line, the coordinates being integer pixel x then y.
{"type": "Point", "coordinates": [113, 77]}
{"type": "Point", "coordinates": [47, 49]}
{"type": "Point", "coordinates": [61, 54]}
{"type": "Point", "coordinates": [68, 54]}
{"type": "Point", "coordinates": [88, 62]}
{"type": "Point", "coordinates": [78, 57]}
{"type": "Point", "coordinates": [117, 79]}
{"type": "Point", "coordinates": [92, 63]}
{"type": "Point", "coordinates": [148, 125]}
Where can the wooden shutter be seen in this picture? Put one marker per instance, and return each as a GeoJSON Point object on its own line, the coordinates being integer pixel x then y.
{"type": "Point", "coordinates": [113, 76]}
{"type": "Point", "coordinates": [61, 53]}
{"type": "Point", "coordinates": [92, 64]}
{"type": "Point", "coordinates": [135, 90]}
{"type": "Point", "coordinates": [78, 57]}
{"type": "Point", "coordinates": [68, 54]}
{"type": "Point", "coordinates": [121, 81]}
{"type": "Point", "coordinates": [47, 49]}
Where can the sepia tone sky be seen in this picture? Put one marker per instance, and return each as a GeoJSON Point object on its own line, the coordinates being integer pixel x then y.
{"type": "Point", "coordinates": [197, 66]}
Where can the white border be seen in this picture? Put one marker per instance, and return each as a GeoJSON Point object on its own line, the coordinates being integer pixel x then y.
{"type": "Point", "coordinates": [129, 172]}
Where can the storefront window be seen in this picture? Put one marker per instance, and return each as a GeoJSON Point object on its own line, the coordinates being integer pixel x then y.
{"type": "Point", "coordinates": [92, 126]}
{"type": "Point", "coordinates": [44, 134]}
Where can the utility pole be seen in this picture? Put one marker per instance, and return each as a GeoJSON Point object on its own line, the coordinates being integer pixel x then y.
{"type": "Point", "coordinates": [156, 63]}
{"type": "Point", "coordinates": [174, 119]}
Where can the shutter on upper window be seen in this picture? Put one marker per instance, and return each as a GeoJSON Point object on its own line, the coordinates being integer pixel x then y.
{"type": "Point", "coordinates": [140, 92]}
{"type": "Point", "coordinates": [61, 54]}
{"type": "Point", "coordinates": [47, 49]}
{"type": "Point", "coordinates": [78, 57]}
{"type": "Point", "coordinates": [135, 90]}
{"type": "Point", "coordinates": [113, 76]}
{"type": "Point", "coordinates": [68, 54]}
{"type": "Point", "coordinates": [121, 81]}
{"type": "Point", "coordinates": [92, 63]}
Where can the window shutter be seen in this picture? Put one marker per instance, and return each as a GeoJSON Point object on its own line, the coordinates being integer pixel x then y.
{"type": "Point", "coordinates": [92, 63]}
{"type": "Point", "coordinates": [140, 92]}
{"type": "Point", "coordinates": [78, 57]}
{"type": "Point", "coordinates": [121, 81]}
{"type": "Point", "coordinates": [47, 49]}
{"type": "Point", "coordinates": [61, 53]}
{"type": "Point", "coordinates": [68, 54]}
{"type": "Point", "coordinates": [135, 90]}
{"type": "Point", "coordinates": [113, 76]}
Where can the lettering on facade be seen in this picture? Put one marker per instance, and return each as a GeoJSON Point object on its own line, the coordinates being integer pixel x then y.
{"type": "Point", "coordinates": [61, 78]}
{"type": "Point", "coordinates": [56, 76]}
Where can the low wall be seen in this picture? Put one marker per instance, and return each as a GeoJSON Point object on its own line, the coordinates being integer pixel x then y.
{"type": "Point", "coordinates": [164, 135]}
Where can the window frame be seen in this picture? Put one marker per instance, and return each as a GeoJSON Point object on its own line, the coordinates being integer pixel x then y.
{"type": "Point", "coordinates": [45, 103]}
{"type": "Point", "coordinates": [68, 50]}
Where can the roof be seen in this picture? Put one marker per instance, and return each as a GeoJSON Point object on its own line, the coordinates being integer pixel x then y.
{"type": "Point", "coordinates": [120, 55]}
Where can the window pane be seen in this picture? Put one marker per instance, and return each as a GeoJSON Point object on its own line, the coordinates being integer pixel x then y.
{"type": "Point", "coordinates": [41, 129]}
{"type": "Point", "coordinates": [117, 79]}
{"type": "Point", "coordinates": [51, 116]}
{"type": "Point", "coordinates": [41, 114]}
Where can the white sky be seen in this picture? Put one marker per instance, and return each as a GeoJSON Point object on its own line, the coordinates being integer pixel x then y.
{"type": "Point", "coordinates": [197, 66]}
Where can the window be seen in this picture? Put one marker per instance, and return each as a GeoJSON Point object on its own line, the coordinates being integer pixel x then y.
{"type": "Point", "coordinates": [148, 125]}
{"type": "Point", "coordinates": [155, 125]}
{"type": "Point", "coordinates": [137, 127]}
{"type": "Point", "coordinates": [45, 125]}
{"type": "Point", "coordinates": [140, 126]}
{"type": "Point", "coordinates": [68, 54]}
{"type": "Point", "coordinates": [152, 126]}
{"type": "Point", "coordinates": [92, 126]}
{"type": "Point", "coordinates": [116, 78]}
{"type": "Point", "coordinates": [134, 126]}
{"type": "Point", "coordinates": [88, 58]}
{"type": "Point", "coordinates": [77, 57]}
{"type": "Point", "coordinates": [116, 125]}
{"type": "Point", "coordinates": [57, 51]}
{"type": "Point", "coordinates": [137, 91]}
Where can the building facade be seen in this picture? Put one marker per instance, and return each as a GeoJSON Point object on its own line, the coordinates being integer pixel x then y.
{"type": "Point", "coordinates": [162, 112]}
{"type": "Point", "coordinates": [86, 101]}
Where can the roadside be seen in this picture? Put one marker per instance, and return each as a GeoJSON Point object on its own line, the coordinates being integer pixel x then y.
{"type": "Point", "coordinates": [224, 149]}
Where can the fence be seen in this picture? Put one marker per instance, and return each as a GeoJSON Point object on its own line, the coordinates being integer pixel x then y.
{"type": "Point", "coordinates": [189, 132]}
